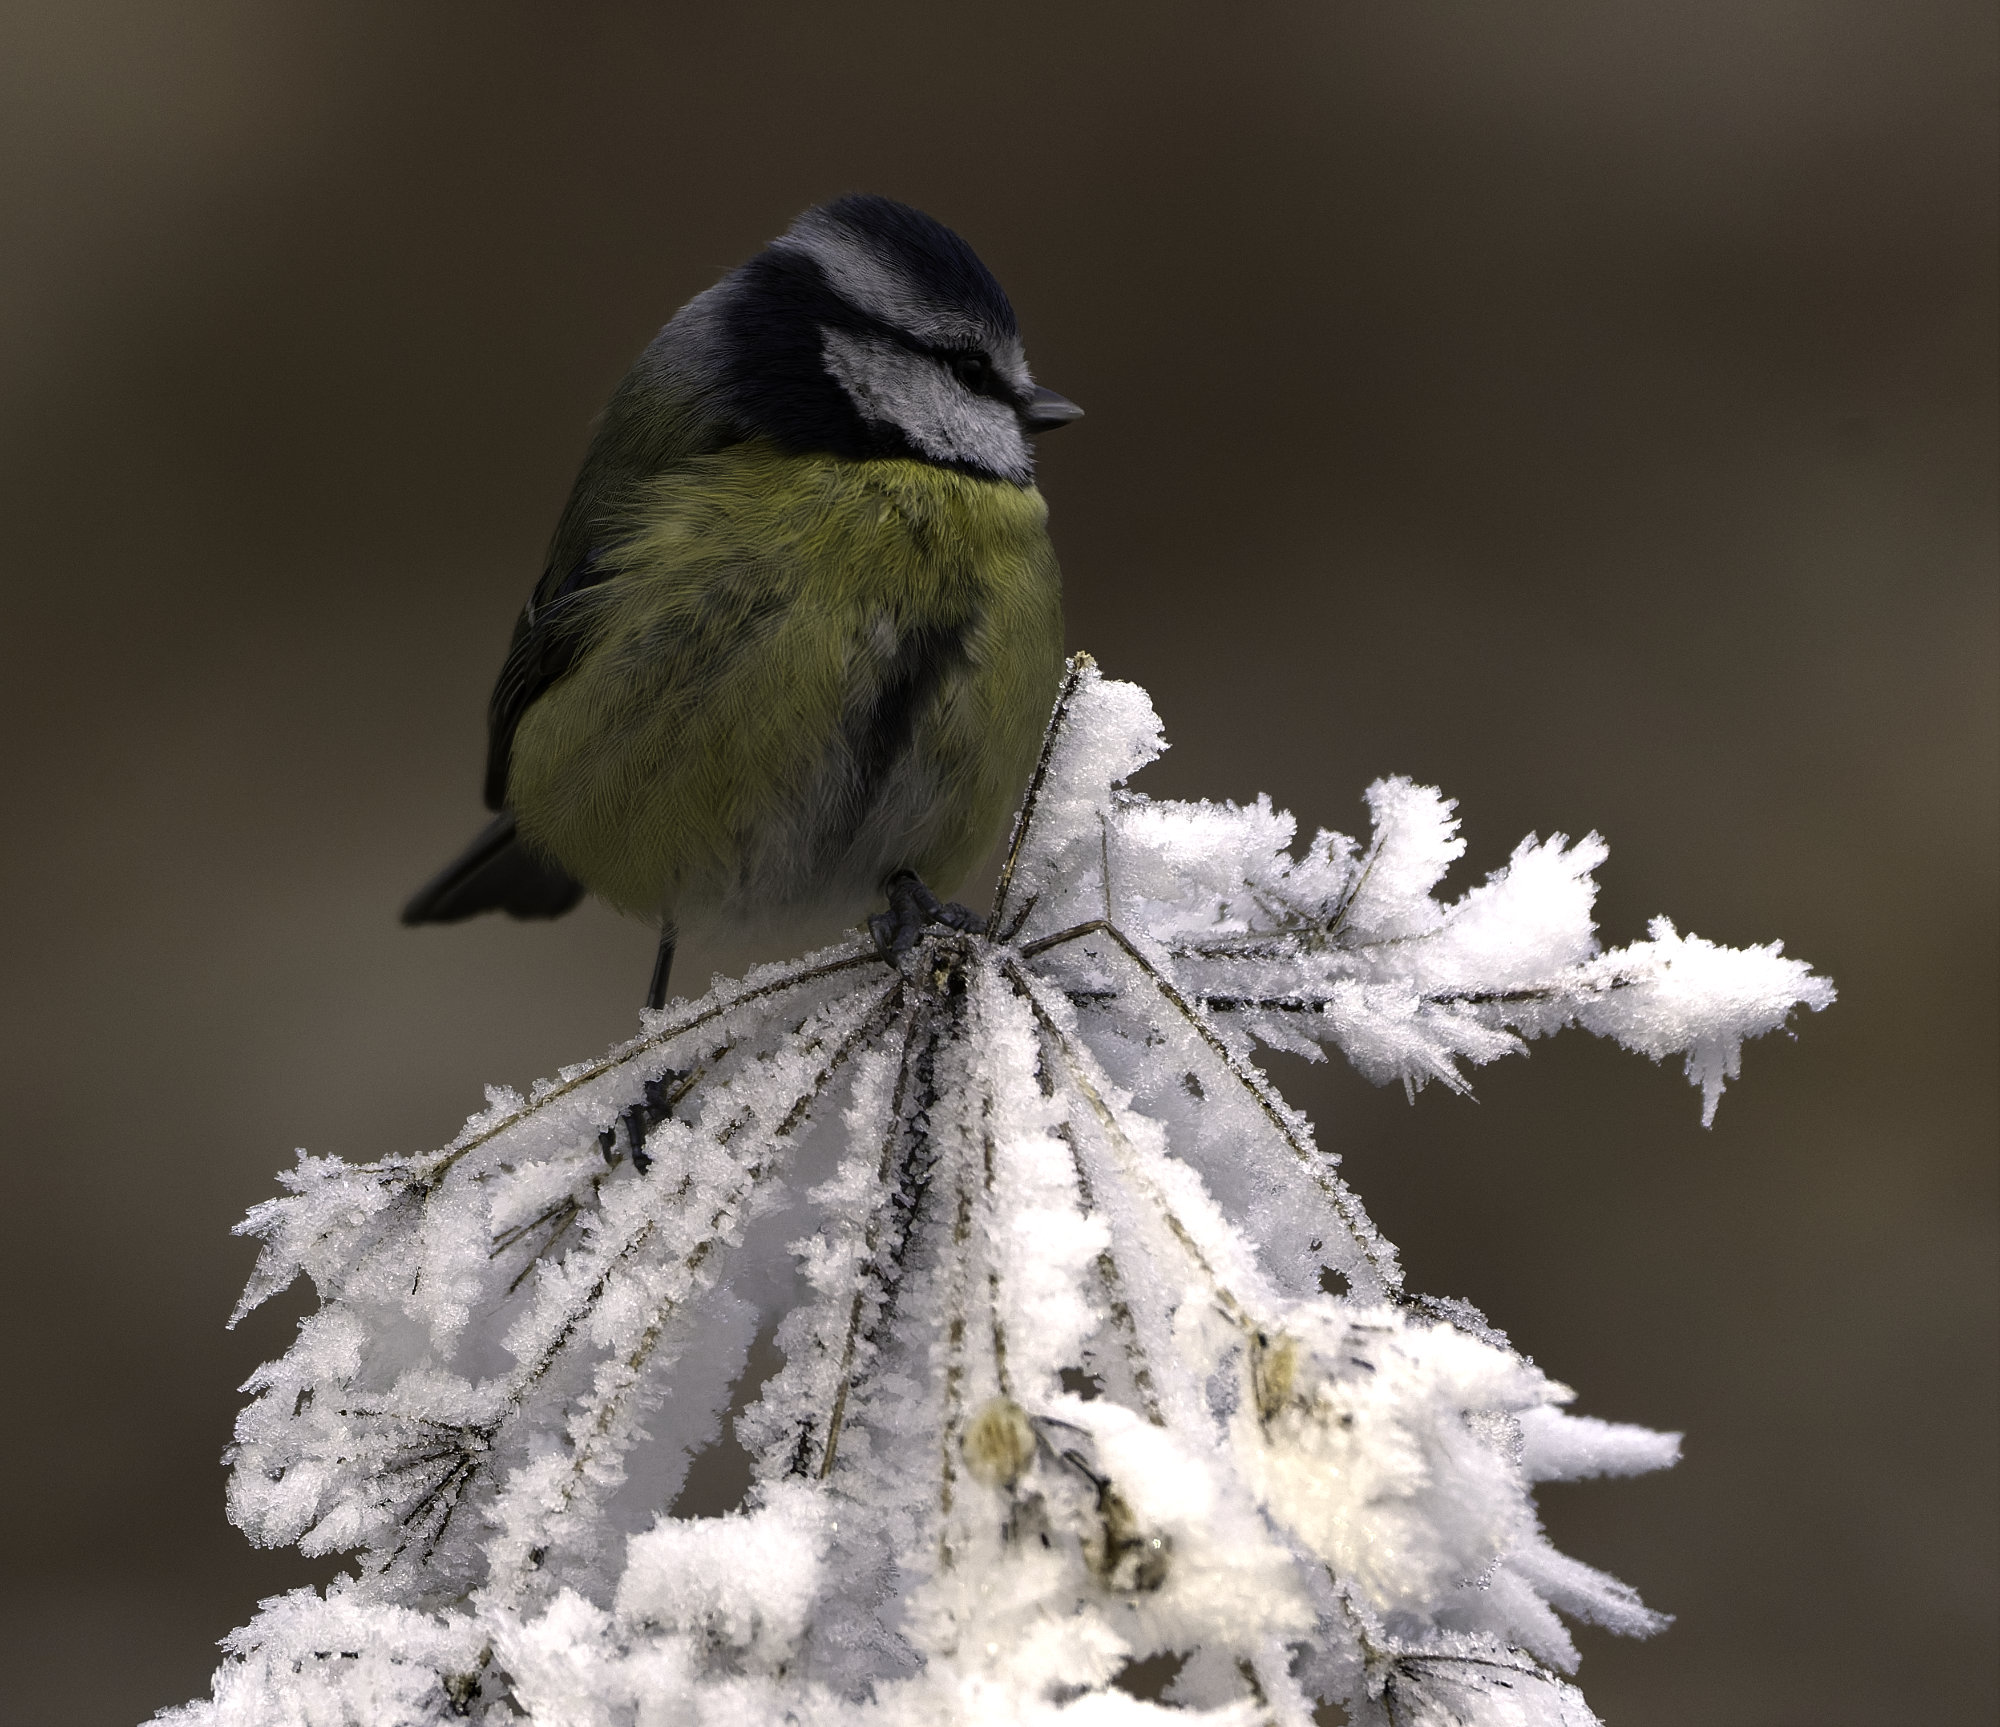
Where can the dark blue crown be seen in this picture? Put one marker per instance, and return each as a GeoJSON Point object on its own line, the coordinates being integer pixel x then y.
{"type": "Point", "coordinates": [934, 258]}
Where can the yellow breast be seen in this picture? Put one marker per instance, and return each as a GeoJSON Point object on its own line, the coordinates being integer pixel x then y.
{"type": "Point", "coordinates": [805, 674]}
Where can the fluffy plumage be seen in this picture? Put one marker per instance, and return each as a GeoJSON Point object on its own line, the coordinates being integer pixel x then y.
{"type": "Point", "coordinates": [800, 620]}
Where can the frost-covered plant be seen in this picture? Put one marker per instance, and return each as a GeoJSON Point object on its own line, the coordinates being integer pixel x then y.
{"type": "Point", "coordinates": [1088, 1355]}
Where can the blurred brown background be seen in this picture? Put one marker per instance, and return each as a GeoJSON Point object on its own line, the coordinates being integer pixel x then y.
{"type": "Point", "coordinates": [1586, 408]}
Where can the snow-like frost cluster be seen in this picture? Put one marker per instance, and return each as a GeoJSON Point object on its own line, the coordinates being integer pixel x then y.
{"type": "Point", "coordinates": [1072, 1349]}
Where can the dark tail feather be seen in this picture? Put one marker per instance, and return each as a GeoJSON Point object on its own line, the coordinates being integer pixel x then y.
{"type": "Point", "coordinates": [495, 873]}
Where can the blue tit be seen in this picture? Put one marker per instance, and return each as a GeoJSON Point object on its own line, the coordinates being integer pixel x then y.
{"type": "Point", "coordinates": [800, 623]}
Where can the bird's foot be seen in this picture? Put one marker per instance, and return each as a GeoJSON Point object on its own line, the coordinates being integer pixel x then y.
{"type": "Point", "coordinates": [640, 1120]}
{"type": "Point", "coordinates": [911, 907]}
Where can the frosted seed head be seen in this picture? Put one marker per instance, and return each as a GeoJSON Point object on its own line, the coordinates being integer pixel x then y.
{"type": "Point", "coordinates": [1121, 1552]}
{"type": "Point", "coordinates": [1059, 1127]}
{"type": "Point", "coordinates": [999, 1443]}
{"type": "Point", "coordinates": [1274, 1372]}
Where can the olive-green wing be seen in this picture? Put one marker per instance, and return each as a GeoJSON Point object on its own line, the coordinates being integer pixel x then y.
{"type": "Point", "coordinates": [645, 431]}
{"type": "Point", "coordinates": [548, 636]}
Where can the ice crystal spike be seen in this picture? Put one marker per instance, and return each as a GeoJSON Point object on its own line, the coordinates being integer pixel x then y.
{"type": "Point", "coordinates": [1042, 1254]}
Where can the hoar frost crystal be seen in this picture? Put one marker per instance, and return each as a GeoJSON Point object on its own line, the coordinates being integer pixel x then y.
{"type": "Point", "coordinates": [1088, 1355]}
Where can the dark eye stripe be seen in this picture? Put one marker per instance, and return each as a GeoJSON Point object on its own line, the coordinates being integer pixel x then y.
{"type": "Point", "coordinates": [974, 371]}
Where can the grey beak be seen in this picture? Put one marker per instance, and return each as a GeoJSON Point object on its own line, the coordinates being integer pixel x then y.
{"type": "Point", "coordinates": [1044, 411]}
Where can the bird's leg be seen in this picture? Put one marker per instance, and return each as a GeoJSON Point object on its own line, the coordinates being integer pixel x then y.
{"type": "Point", "coordinates": [911, 906]}
{"type": "Point", "coordinates": [663, 967]}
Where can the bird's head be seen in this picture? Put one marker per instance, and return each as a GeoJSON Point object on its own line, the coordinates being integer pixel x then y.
{"type": "Point", "coordinates": [867, 329]}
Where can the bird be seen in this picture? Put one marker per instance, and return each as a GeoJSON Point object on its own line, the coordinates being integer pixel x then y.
{"type": "Point", "coordinates": [800, 621]}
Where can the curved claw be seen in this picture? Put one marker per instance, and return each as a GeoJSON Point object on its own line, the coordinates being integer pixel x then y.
{"type": "Point", "coordinates": [912, 905]}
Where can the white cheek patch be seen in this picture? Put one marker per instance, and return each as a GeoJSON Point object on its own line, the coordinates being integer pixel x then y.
{"type": "Point", "coordinates": [927, 404]}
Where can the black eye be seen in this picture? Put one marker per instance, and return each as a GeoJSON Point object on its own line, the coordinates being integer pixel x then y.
{"type": "Point", "coordinates": [974, 371]}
